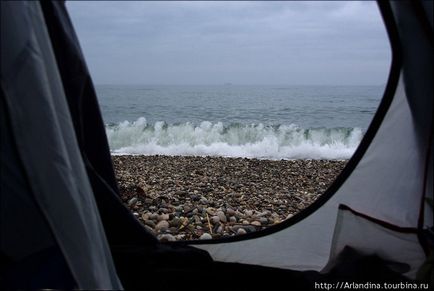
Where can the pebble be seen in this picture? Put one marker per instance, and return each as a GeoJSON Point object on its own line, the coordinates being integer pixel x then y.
{"type": "Point", "coordinates": [263, 220]}
{"type": "Point", "coordinates": [248, 212]}
{"type": "Point", "coordinates": [150, 223]}
{"type": "Point", "coordinates": [166, 237]}
{"type": "Point", "coordinates": [241, 231]}
{"type": "Point", "coordinates": [219, 229]}
{"type": "Point", "coordinates": [149, 229]}
{"type": "Point", "coordinates": [238, 195]}
{"type": "Point", "coordinates": [256, 223]}
{"type": "Point", "coordinates": [132, 201]}
{"type": "Point", "coordinates": [163, 217]}
{"type": "Point", "coordinates": [162, 225]}
{"type": "Point", "coordinates": [205, 236]}
{"type": "Point", "coordinates": [239, 214]}
{"type": "Point", "coordinates": [210, 211]}
{"type": "Point", "coordinates": [215, 219]}
{"type": "Point", "coordinates": [222, 216]}
{"type": "Point", "coordinates": [176, 221]}
{"type": "Point", "coordinates": [230, 212]}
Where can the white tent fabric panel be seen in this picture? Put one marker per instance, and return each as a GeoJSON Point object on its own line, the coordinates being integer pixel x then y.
{"type": "Point", "coordinates": [367, 237]}
{"type": "Point", "coordinates": [393, 156]}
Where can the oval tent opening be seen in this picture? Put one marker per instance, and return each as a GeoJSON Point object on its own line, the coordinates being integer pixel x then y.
{"type": "Point", "coordinates": [225, 119]}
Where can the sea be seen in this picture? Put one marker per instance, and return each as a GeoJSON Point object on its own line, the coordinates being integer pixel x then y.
{"type": "Point", "coordinates": [264, 122]}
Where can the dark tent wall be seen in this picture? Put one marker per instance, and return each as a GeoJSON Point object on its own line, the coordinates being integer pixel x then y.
{"type": "Point", "coordinates": [46, 145]}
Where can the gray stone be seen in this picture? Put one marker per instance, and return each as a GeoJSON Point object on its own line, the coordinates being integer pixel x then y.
{"type": "Point", "coordinates": [219, 229]}
{"type": "Point", "coordinates": [222, 216]}
{"type": "Point", "coordinates": [256, 223]}
{"type": "Point", "coordinates": [153, 216]}
{"type": "Point", "coordinates": [163, 225]}
{"type": "Point", "coordinates": [241, 231]}
{"type": "Point", "coordinates": [210, 211]}
{"type": "Point", "coordinates": [263, 220]}
{"type": "Point", "coordinates": [248, 212]}
{"type": "Point", "coordinates": [264, 213]}
{"type": "Point", "coordinates": [230, 212]}
{"type": "Point", "coordinates": [175, 222]}
{"type": "Point", "coordinates": [238, 214]}
{"type": "Point", "coordinates": [167, 237]}
{"type": "Point", "coordinates": [247, 228]}
{"type": "Point", "coordinates": [149, 229]}
{"type": "Point", "coordinates": [132, 201]}
{"type": "Point", "coordinates": [215, 219]}
{"type": "Point", "coordinates": [163, 217]}
{"type": "Point", "coordinates": [205, 236]}
{"type": "Point", "coordinates": [150, 223]}
{"type": "Point", "coordinates": [197, 219]}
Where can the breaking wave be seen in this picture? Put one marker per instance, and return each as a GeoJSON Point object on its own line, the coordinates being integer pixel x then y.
{"type": "Point", "coordinates": [232, 140]}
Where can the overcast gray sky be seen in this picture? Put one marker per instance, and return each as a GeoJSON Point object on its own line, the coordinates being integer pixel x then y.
{"type": "Point", "coordinates": [291, 43]}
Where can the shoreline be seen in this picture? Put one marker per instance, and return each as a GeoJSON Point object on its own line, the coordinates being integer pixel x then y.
{"type": "Point", "coordinates": [223, 157]}
{"type": "Point", "coordinates": [195, 197]}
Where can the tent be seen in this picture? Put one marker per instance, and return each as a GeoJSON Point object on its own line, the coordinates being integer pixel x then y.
{"type": "Point", "coordinates": [62, 223]}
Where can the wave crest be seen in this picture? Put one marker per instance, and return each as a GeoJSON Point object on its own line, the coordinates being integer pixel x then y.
{"type": "Point", "coordinates": [233, 140]}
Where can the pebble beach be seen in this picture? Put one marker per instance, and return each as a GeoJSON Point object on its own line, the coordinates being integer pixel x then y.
{"type": "Point", "coordinates": [189, 198]}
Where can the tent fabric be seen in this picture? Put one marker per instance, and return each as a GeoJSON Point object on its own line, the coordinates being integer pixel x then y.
{"type": "Point", "coordinates": [403, 241]}
{"type": "Point", "coordinates": [119, 223]}
{"type": "Point", "coordinates": [56, 168]}
{"type": "Point", "coordinates": [387, 182]}
{"type": "Point", "coordinates": [46, 143]}
{"type": "Point", "coordinates": [18, 208]}
{"type": "Point", "coordinates": [72, 161]}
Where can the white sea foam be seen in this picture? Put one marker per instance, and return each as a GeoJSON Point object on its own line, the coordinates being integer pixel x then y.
{"type": "Point", "coordinates": [234, 140]}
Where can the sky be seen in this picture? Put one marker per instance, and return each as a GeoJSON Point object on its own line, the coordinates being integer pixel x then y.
{"type": "Point", "coordinates": [248, 43]}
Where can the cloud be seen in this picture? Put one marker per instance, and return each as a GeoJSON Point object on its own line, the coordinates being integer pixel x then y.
{"type": "Point", "coordinates": [255, 42]}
